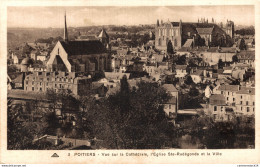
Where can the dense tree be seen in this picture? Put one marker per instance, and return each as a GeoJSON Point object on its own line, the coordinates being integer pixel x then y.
{"type": "Point", "coordinates": [181, 60]}
{"type": "Point", "coordinates": [234, 59]}
{"type": "Point", "coordinates": [242, 44]}
{"type": "Point", "coordinates": [132, 119]}
{"type": "Point", "coordinates": [21, 131]}
{"type": "Point", "coordinates": [188, 80]}
{"type": "Point", "coordinates": [246, 31]}
{"type": "Point", "coordinates": [170, 48]}
{"type": "Point", "coordinates": [220, 64]}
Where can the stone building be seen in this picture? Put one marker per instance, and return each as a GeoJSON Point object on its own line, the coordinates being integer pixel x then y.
{"type": "Point", "coordinates": [42, 81]}
{"type": "Point", "coordinates": [218, 108]}
{"type": "Point", "coordinates": [245, 101]}
{"type": "Point", "coordinates": [85, 56]}
{"type": "Point", "coordinates": [185, 34]}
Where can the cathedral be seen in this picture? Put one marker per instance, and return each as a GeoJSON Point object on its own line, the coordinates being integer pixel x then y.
{"type": "Point", "coordinates": [185, 34]}
{"type": "Point", "coordinates": [84, 56]}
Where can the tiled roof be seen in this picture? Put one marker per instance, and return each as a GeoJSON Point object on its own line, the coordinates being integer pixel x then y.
{"type": "Point", "coordinates": [204, 30]}
{"type": "Point", "coordinates": [83, 47]}
{"type": "Point", "coordinates": [18, 79]}
{"type": "Point", "coordinates": [237, 73]}
{"type": "Point", "coordinates": [87, 37]}
{"type": "Point", "coordinates": [170, 88]}
{"type": "Point", "coordinates": [197, 72]}
{"type": "Point", "coordinates": [188, 43]}
{"type": "Point", "coordinates": [232, 88]}
{"type": "Point", "coordinates": [228, 50]}
{"type": "Point", "coordinates": [182, 67]}
{"type": "Point", "coordinates": [245, 90]}
{"type": "Point", "coordinates": [217, 99]}
{"type": "Point", "coordinates": [246, 55]}
{"type": "Point", "coordinates": [114, 75]}
{"type": "Point", "coordinates": [241, 65]}
{"type": "Point", "coordinates": [213, 49]}
{"type": "Point", "coordinates": [96, 85]}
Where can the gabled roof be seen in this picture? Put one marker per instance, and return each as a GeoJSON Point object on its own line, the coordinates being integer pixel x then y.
{"type": "Point", "coordinates": [103, 34]}
{"type": "Point", "coordinates": [245, 90]}
{"type": "Point", "coordinates": [170, 88]}
{"type": "Point", "coordinates": [232, 88]}
{"type": "Point", "coordinates": [83, 47]}
{"type": "Point", "coordinates": [188, 43]}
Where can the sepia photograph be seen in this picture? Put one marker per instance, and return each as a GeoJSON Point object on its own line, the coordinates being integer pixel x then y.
{"type": "Point", "coordinates": [102, 82]}
{"type": "Point", "coordinates": [83, 78]}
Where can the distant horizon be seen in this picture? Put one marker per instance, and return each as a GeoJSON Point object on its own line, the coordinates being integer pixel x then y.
{"type": "Point", "coordinates": [99, 26]}
{"type": "Point", "coordinates": [28, 17]}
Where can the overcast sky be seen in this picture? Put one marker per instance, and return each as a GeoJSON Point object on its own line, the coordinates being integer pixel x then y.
{"type": "Point", "coordinates": [86, 16]}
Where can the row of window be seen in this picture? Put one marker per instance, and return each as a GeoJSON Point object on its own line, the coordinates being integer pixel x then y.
{"type": "Point", "coordinates": [56, 79]}
{"type": "Point", "coordinates": [241, 109]}
{"type": "Point", "coordinates": [27, 82]}
{"type": "Point", "coordinates": [168, 32]}
{"type": "Point", "coordinates": [247, 109]}
{"type": "Point", "coordinates": [247, 103]}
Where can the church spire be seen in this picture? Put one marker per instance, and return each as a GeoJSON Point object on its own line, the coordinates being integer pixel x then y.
{"type": "Point", "coordinates": [65, 30]}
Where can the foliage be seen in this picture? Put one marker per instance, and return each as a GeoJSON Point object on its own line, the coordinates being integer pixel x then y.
{"type": "Point", "coordinates": [234, 59]}
{"type": "Point", "coordinates": [220, 64]}
{"type": "Point", "coordinates": [237, 133]}
{"type": "Point", "coordinates": [242, 44]}
{"type": "Point", "coordinates": [11, 68]}
{"type": "Point", "coordinates": [181, 60]}
{"type": "Point", "coordinates": [132, 119]}
{"type": "Point", "coordinates": [188, 80]}
{"type": "Point", "coordinates": [170, 48]}
{"type": "Point", "coordinates": [246, 31]}
{"type": "Point", "coordinates": [21, 130]}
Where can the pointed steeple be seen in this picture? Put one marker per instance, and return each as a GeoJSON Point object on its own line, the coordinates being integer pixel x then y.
{"type": "Point", "coordinates": [103, 37]}
{"type": "Point", "coordinates": [66, 39]}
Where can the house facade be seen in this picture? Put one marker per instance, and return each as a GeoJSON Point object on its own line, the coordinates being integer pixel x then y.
{"type": "Point", "coordinates": [42, 81]}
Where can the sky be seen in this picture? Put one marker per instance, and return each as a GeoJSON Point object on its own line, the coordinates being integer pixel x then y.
{"type": "Point", "coordinates": [43, 17]}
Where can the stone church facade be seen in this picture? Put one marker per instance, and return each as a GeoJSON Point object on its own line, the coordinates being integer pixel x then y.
{"type": "Point", "coordinates": [185, 34]}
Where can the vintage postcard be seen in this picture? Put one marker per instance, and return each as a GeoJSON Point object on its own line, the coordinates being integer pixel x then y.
{"type": "Point", "coordinates": [129, 82]}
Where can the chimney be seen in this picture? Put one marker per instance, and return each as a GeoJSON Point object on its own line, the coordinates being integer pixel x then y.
{"type": "Point", "coordinates": [204, 73]}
